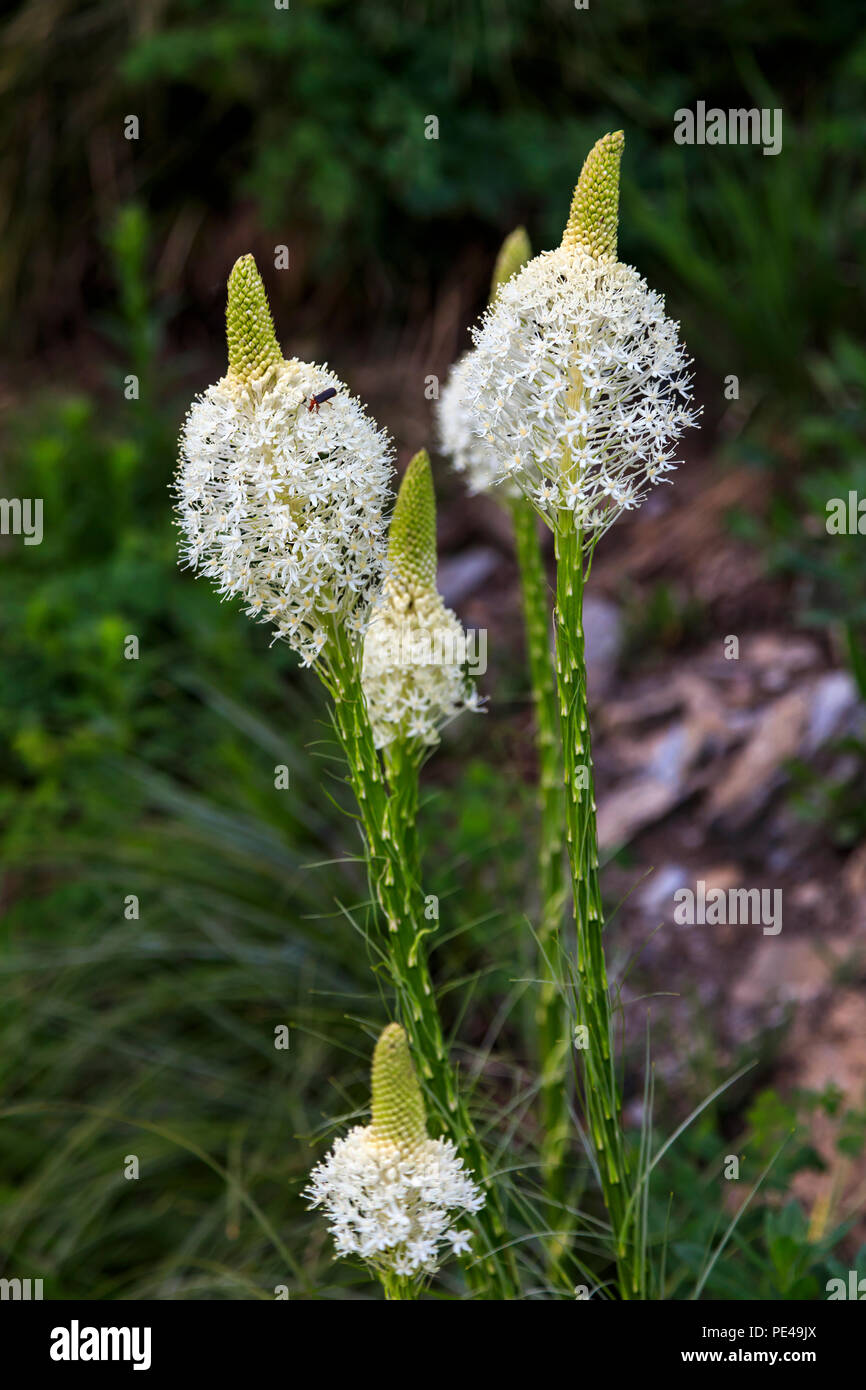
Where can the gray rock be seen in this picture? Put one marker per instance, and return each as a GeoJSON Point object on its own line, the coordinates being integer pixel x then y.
{"type": "Point", "coordinates": [602, 628]}
{"type": "Point", "coordinates": [464, 574]}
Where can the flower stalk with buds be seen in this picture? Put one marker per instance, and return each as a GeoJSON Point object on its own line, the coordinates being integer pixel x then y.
{"type": "Point", "coordinates": [281, 491]}
{"type": "Point", "coordinates": [391, 1194]}
{"type": "Point", "coordinates": [387, 806]}
{"type": "Point", "coordinates": [579, 385]}
{"type": "Point", "coordinates": [477, 460]}
{"type": "Point", "coordinates": [413, 681]}
{"type": "Point", "coordinates": [281, 505]}
{"type": "Point", "coordinates": [415, 650]}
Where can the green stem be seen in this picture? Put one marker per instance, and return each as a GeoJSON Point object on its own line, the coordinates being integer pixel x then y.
{"type": "Point", "coordinates": [554, 1044]}
{"type": "Point", "coordinates": [387, 815]}
{"type": "Point", "coordinates": [592, 998]}
{"type": "Point", "coordinates": [397, 1288]}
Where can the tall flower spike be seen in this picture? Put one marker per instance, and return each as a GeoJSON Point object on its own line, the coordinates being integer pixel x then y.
{"type": "Point", "coordinates": [578, 387]}
{"type": "Point", "coordinates": [594, 217]}
{"type": "Point", "coordinates": [389, 1193]}
{"type": "Point", "coordinates": [397, 1102]}
{"type": "Point", "coordinates": [252, 342]}
{"type": "Point", "coordinates": [415, 650]}
{"type": "Point", "coordinates": [281, 503]}
{"type": "Point", "coordinates": [412, 537]}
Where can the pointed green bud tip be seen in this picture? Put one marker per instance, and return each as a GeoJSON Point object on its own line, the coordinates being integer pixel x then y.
{"type": "Point", "coordinates": [398, 1105]}
{"type": "Point", "coordinates": [594, 216]}
{"type": "Point", "coordinates": [252, 342]}
{"type": "Point", "coordinates": [412, 537]}
{"type": "Point", "coordinates": [514, 252]}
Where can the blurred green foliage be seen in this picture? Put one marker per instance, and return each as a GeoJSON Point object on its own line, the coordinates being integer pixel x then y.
{"type": "Point", "coordinates": [775, 1252]}
{"type": "Point", "coordinates": [660, 620]}
{"type": "Point", "coordinates": [315, 115]}
{"type": "Point", "coordinates": [830, 446]}
{"type": "Point", "coordinates": [820, 461]}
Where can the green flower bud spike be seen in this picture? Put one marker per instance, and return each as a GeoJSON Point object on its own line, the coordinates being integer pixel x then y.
{"type": "Point", "coordinates": [398, 1105]}
{"type": "Point", "coordinates": [514, 252]}
{"type": "Point", "coordinates": [412, 537]}
{"type": "Point", "coordinates": [252, 342]}
{"type": "Point", "coordinates": [594, 217]}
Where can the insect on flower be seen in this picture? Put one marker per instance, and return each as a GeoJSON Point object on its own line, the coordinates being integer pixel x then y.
{"type": "Point", "coordinates": [245, 447]}
{"type": "Point", "coordinates": [316, 401]}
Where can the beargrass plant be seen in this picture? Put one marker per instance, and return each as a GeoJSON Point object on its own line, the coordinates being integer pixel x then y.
{"type": "Point", "coordinates": [155, 1032]}
{"type": "Point", "coordinates": [281, 489]}
{"type": "Point", "coordinates": [573, 394]}
{"type": "Point", "coordinates": [476, 459]}
{"type": "Point", "coordinates": [570, 402]}
{"type": "Point", "coordinates": [390, 1191]}
{"type": "Point", "coordinates": [578, 384]}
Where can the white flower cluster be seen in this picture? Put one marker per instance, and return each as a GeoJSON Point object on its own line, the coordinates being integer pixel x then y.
{"type": "Point", "coordinates": [471, 454]}
{"type": "Point", "coordinates": [578, 385]}
{"type": "Point", "coordinates": [394, 1205]}
{"type": "Point", "coordinates": [414, 672]}
{"type": "Point", "coordinates": [282, 505]}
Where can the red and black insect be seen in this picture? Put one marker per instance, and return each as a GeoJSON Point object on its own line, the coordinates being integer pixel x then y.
{"type": "Point", "coordinates": [316, 401]}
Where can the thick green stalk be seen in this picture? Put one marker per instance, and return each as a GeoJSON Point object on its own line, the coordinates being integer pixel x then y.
{"type": "Point", "coordinates": [594, 1036]}
{"type": "Point", "coordinates": [554, 1044]}
{"type": "Point", "coordinates": [387, 816]}
{"type": "Point", "coordinates": [396, 1288]}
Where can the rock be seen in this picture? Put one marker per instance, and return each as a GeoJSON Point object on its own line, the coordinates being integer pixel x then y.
{"type": "Point", "coordinates": [834, 696]}
{"type": "Point", "coordinates": [827, 1050]}
{"type": "Point", "coordinates": [657, 896]}
{"type": "Point", "coordinates": [602, 629]}
{"type": "Point", "coordinates": [464, 574]}
{"type": "Point", "coordinates": [631, 806]}
{"type": "Point", "coordinates": [753, 774]}
{"type": "Point", "coordinates": [781, 971]}
{"type": "Point", "coordinates": [835, 1054]}
{"type": "Point", "coordinates": [854, 874]}
{"type": "Point", "coordinates": [778, 657]}
{"type": "Point", "coordinates": [673, 753]}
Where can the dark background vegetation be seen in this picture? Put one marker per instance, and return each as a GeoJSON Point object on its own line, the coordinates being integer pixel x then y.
{"type": "Point", "coordinates": [305, 128]}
